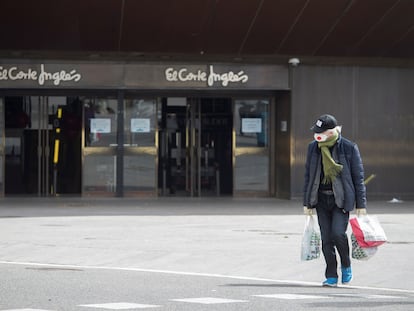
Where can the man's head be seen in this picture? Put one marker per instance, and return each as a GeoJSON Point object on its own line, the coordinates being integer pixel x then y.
{"type": "Point", "coordinates": [325, 127]}
{"type": "Point", "coordinates": [325, 122]}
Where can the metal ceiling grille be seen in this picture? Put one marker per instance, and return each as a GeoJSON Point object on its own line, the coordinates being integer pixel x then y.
{"type": "Point", "coordinates": [339, 28]}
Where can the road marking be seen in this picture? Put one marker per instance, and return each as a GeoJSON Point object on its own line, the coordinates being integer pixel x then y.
{"type": "Point", "coordinates": [25, 310]}
{"type": "Point", "coordinates": [383, 297]}
{"type": "Point", "coordinates": [369, 296]}
{"type": "Point", "coordinates": [119, 306]}
{"type": "Point", "coordinates": [208, 300]}
{"type": "Point", "coordinates": [292, 296]}
{"type": "Point", "coordinates": [212, 275]}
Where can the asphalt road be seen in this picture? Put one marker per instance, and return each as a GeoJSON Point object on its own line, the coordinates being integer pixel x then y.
{"type": "Point", "coordinates": [185, 254]}
{"type": "Point", "coordinates": [53, 287]}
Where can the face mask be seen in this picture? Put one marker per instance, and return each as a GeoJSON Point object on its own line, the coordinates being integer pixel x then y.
{"type": "Point", "coordinates": [320, 137]}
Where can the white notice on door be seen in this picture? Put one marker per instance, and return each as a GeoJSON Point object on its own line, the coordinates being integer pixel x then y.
{"type": "Point", "coordinates": [251, 125]}
{"type": "Point", "coordinates": [100, 125]}
{"type": "Point", "coordinates": [140, 125]}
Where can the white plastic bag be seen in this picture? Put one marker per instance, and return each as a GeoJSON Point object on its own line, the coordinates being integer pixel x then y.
{"type": "Point", "coordinates": [311, 240]}
{"type": "Point", "coordinates": [371, 228]}
{"type": "Point", "coordinates": [361, 253]}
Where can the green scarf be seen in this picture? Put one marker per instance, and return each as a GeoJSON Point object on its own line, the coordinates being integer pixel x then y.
{"type": "Point", "coordinates": [331, 169]}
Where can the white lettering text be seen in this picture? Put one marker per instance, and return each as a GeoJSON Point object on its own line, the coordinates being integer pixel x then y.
{"type": "Point", "coordinates": [184, 75]}
{"type": "Point", "coordinates": [57, 77]}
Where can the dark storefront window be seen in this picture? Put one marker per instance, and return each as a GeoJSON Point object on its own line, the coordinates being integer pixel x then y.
{"type": "Point", "coordinates": [40, 150]}
{"type": "Point", "coordinates": [1, 145]}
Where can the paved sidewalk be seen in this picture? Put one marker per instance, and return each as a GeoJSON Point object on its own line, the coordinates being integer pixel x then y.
{"type": "Point", "coordinates": [246, 237]}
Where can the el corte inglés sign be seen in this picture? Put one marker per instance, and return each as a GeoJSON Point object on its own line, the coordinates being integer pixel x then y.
{"type": "Point", "coordinates": [211, 77]}
{"type": "Point", "coordinates": [40, 76]}
{"type": "Point", "coordinates": [141, 76]}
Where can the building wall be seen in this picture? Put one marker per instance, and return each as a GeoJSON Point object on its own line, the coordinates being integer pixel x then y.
{"type": "Point", "coordinates": [375, 105]}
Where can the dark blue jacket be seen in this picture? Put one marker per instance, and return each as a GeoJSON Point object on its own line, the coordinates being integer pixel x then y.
{"type": "Point", "coordinates": [344, 152]}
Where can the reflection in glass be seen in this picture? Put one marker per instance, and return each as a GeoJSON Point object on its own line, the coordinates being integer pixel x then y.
{"type": "Point", "coordinates": [139, 134]}
{"type": "Point", "coordinates": [252, 173]}
{"type": "Point", "coordinates": [99, 173]}
{"type": "Point", "coordinates": [139, 173]}
{"type": "Point", "coordinates": [140, 122]}
{"type": "Point", "coordinates": [100, 122]}
{"type": "Point", "coordinates": [251, 123]}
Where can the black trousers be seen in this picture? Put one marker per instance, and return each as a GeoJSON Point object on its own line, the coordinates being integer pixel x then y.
{"type": "Point", "coordinates": [333, 223]}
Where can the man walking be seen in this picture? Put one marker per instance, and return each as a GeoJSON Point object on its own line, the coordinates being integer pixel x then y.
{"type": "Point", "coordinates": [334, 185]}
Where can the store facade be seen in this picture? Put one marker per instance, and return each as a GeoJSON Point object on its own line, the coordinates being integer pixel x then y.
{"type": "Point", "coordinates": [144, 129]}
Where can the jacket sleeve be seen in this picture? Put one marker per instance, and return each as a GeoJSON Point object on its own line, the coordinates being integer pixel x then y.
{"type": "Point", "coordinates": [306, 179]}
{"type": "Point", "coordinates": [357, 173]}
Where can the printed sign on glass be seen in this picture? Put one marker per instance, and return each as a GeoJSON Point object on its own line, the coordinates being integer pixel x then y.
{"type": "Point", "coordinates": [100, 125]}
{"type": "Point", "coordinates": [139, 125]}
{"type": "Point", "coordinates": [251, 125]}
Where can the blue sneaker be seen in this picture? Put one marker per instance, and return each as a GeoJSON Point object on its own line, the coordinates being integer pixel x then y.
{"type": "Point", "coordinates": [346, 275]}
{"type": "Point", "coordinates": [330, 282]}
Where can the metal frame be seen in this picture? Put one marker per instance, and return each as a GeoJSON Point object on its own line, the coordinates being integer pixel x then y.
{"type": "Point", "coordinates": [43, 148]}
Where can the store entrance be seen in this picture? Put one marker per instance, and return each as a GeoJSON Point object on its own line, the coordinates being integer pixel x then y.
{"type": "Point", "coordinates": [42, 145]}
{"type": "Point", "coordinates": [195, 154]}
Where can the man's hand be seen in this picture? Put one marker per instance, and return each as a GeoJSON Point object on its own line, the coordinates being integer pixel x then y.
{"type": "Point", "coordinates": [361, 212]}
{"type": "Point", "coordinates": [307, 211]}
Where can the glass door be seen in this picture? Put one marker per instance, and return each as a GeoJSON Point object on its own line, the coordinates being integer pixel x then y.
{"type": "Point", "coordinates": [251, 146]}
{"type": "Point", "coordinates": [196, 147]}
{"type": "Point", "coordinates": [195, 171]}
{"type": "Point", "coordinates": [140, 146]}
{"type": "Point", "coordinates": [174, 159]}
{"type": "Point", "coordinates": [42, 137]}
{"type": "Point", "coordinates": [100, 146]}
{"type": "Point", "coordinates": [27, 149]}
